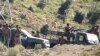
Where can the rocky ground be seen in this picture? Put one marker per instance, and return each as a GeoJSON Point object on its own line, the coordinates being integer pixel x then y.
{"type": "Point", "coordinates": [64, 50]}
{"type": "Point", "coordinates": [60, 50]}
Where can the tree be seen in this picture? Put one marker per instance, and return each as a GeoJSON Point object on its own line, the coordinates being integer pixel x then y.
{"type": "Point", "coordinates": [41, 4]}
{"type": "Point", "coordinates": [94, 13]}
{"type": "Point", "coordinates": [64, 9]}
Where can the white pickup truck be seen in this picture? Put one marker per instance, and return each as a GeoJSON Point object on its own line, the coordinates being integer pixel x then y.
{"type": "Point", "coordinates": [27, 39]}
{"type": "Point", "coordinates": [86, 38]}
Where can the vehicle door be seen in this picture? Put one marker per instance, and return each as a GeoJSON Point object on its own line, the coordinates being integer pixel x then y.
{"type": "Point", "coordinates": [24, 40]}
{"type": "Point", "coordinates": [81, 38]}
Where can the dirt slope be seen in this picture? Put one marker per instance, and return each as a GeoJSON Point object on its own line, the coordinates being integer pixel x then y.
{"type": "Point", "coordinates": [64, 50]}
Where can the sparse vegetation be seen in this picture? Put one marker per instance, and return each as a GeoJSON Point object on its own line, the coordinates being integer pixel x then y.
{"type": "Point", "coordinates": [18, 50]}
{"type": "Point", "coordinates": [19, 47]}
{"type": "Point", "coordinates": [32, 14]}
{"type": "Point", "coordinates": [12, 52]}
{"type": "Point", "coordinates": [50, 12]}
{"type": "Point", "coordinates": [97, 52]}
{"type": "Point", "coordinates": [46, 54]}
{"type": "Point", "coordinates": [3, 48]}
{"type": "Point", "coordinates": [84, 53]}
{"type": "Point", "coordinates": [38, 46]}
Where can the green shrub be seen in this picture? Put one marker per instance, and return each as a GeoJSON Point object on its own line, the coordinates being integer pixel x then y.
{"type": "Point", "coordinates": [16, 50]}
{"type": "Point", "coordinates": [20, 48]}
{"type": "Point", "coordinates": [41, 4]}
{"type": "Point", "coordinates": [46, 54]}
{"type": "Point", "coordinates": [31, 8]}
{"type": "Point", "coordinates": [3, 48]}
{"type": "Point", "coordinates": [22, 16]}
{"type": "Point", "coordinates": [84, 53]}
{"type": "Point", "coordinates": [97, 52]}
{"type": "Point", "coordinates": [38, 46]}
{"type": "Point", "coordinates": [12, 52]}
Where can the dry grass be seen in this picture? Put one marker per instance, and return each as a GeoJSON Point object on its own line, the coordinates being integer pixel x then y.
{"type": "Point", "coordinates": [3, 48]}
{"type": "Point", "coordinates": [15, 51]}
{"type": "Point", "coordinates": [97, 52]}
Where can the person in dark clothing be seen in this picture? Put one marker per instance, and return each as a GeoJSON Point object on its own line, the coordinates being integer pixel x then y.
{"type": "Point", "coordinates": [44, 30]}
{"type": "Point", "coordinates": [6, 34]}
{"type": "Point", "coordinates": [67, 32]}
{"type": "Point", "coordinates": [12, 44]}
{"type": "Point", "coordinates": [61, 40]}
{"type": "Point", "coordinates": [33, 33]}
{"type": "Point", "coordinates": [96, 30]}
{"type": "Point", "coordinates": [17, 35]}
{"type": "Point", "coordinates": [37, 34]}
{"type": "Point", "coordinates": [1, 33]}
{"type": "Point", "coordinates": [72, 34]}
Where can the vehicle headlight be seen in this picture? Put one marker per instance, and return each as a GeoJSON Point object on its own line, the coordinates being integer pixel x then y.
{"type": "Point", "coordinates": [47, 43]}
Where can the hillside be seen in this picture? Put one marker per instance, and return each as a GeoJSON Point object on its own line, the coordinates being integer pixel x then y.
{"type": "Point", "coordinates": [33, 14]}
{"type": "Point", "coordinates": [63, 50]}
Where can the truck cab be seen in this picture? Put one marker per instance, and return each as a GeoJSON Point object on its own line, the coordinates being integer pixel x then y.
{"type": "Point", "coordinates": [86, 38]}
{"type": "Point", "coordinates": [27, 39]}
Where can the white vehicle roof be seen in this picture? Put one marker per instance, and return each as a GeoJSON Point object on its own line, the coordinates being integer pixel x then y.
{"type": "Point", "coordinates": [29, 35]}
{"type": "Point", "coordinates": [26, 33]}
{"type": "Point", "coordinates": [92, 38]}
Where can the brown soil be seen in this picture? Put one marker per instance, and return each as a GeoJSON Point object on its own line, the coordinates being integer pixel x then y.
{"type": "Point", "coordinates": [64, 50]}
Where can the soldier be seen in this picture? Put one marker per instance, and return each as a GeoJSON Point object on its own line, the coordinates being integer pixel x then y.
{"type": "Point", "coordinates": [44, 30]}
{"type": "Point", "coordinates": [61, 40]}
{"type": "Point", "coordinates": [17, 35]}
{"type": "Point", "coordinates": [33, 33]}
{"type": "Point", "coordinates": [6, 34]}
{"type": "Point", "coordinates": [96, 30]}
{"type": "Point", "coordinates": [72, 35]}
{"type": "Point", "coordinates": [67, 32]}
{"type": "Point", "coordinates": [37, 34]}
{"type": "Point", "coordinates": [1, 35]}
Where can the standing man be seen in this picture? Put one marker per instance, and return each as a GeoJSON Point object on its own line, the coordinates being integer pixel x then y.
{"type": "Point", "coordinates": [44, 30]}
{"type": "Point", "coordinates": [67, 32]}
{"type": "Point", "coordinates": [6, 34]}
{"type": "Point", "coordinates": [1, 33]}
{"type": "Point", "coordinates": [17, 35]}
{"type": "Point", "coordinates": [33, 33]}
{"type": "Point", "coordinates": [37, 34]}
{"type": "Point", "coordinates": [96, 30]}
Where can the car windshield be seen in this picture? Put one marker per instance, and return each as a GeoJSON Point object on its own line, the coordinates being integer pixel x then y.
{"type": "Point", "coordinates": [82, 38]}
{"type": "Point", "coordinates": [26, 33]}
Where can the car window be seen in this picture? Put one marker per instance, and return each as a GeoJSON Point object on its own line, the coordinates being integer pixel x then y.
{"type": "Point", "coordinates": [23, 35]}
{"type": "Point", "coordinates": [82, 38]}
